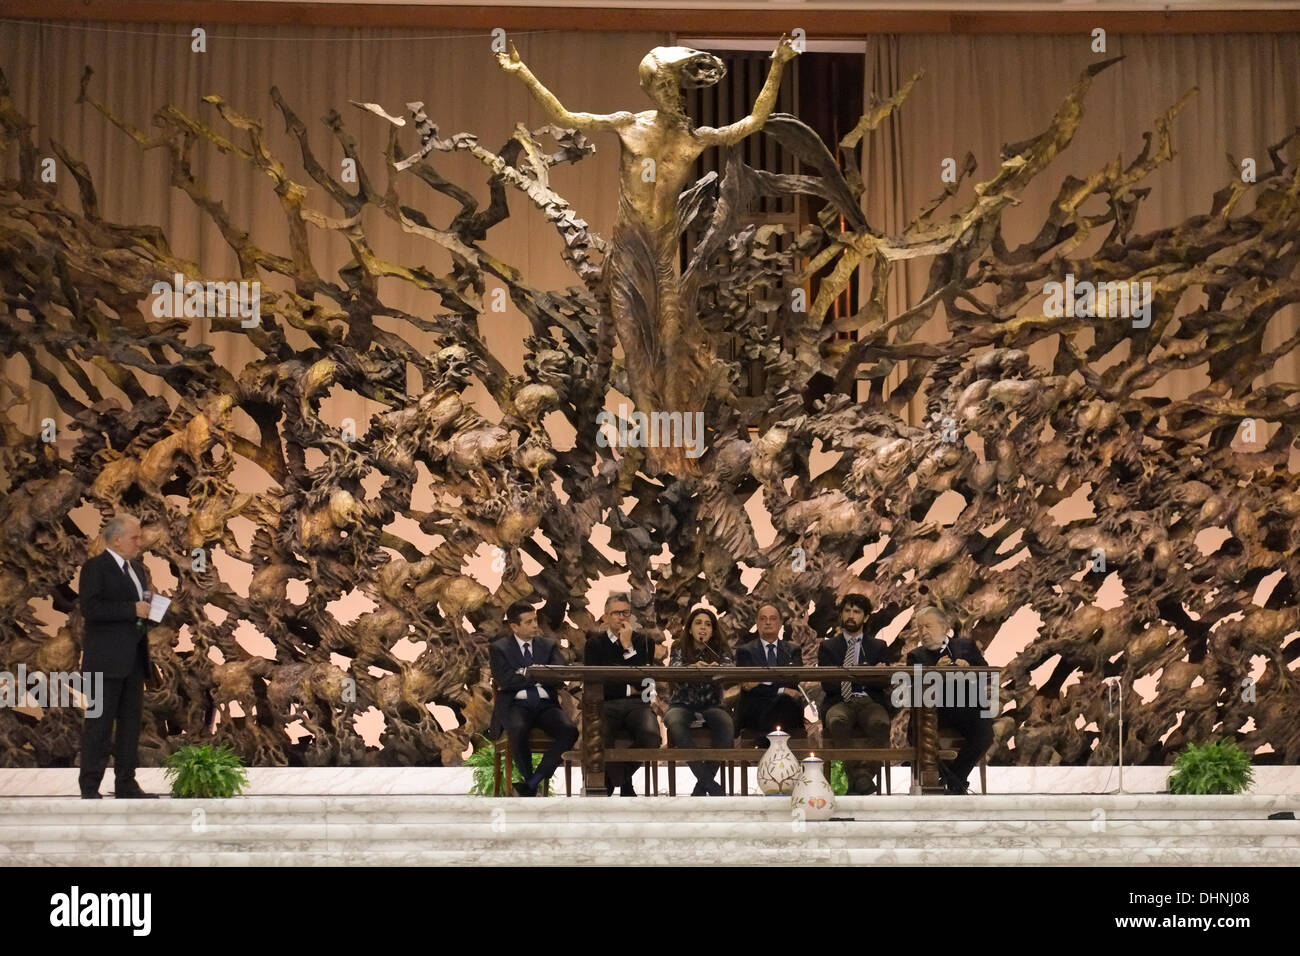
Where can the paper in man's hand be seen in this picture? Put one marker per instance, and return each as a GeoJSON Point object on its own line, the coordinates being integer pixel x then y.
{"type": "Point", "coordinates": [158, 607]}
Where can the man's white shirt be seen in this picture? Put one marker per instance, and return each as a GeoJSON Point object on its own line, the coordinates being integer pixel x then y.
{"type": "Point", "coordinates": [627, 653]}
{"type": "Point", "coordinates": [123, 563]}
{"type": "Point", "coordinates": [523, 694]}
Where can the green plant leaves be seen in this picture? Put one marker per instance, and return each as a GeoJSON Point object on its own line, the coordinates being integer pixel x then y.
{"type": "Point", "coordinates": [202, 770]}
{"type": "Point", "coordinates": [1217, 767]}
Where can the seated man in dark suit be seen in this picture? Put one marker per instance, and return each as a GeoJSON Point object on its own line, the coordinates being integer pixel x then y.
{"type": "Point", "coordinates": [938, 649]}
{"type": "Point", "coordinates": [766, 705]}
{"type": "Point", "coordinates": [849, 706]}
{"type": "Point", "coordinates": [627, 705]}
{"type": "Point", "coordinates": [522, 704]}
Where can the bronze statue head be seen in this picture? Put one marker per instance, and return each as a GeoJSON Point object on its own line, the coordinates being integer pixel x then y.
{"type": "Point", "coordinates": [667, 70]}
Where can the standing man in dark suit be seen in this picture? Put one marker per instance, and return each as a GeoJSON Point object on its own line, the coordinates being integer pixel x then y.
{"type": "Point", "coordinates": [766, 705]}
{"type": "Point", "coordinates": [627, 706]}
{"type": "Point", "coordinates": [522, 704]}
{"type": "Point", "coordinates": [112, 590]}
{"type": "Point", "coordinates": [850, 706]}
{"type": "Point", "coordinates": [938, 649]}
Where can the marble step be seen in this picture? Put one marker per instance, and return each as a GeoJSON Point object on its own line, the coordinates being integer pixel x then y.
{"type": "Point", "coordinates": [422, 809]}
{"type": "Point", "coordinates": [448, 830]}
{"type": "Point", "coordinates": [505, 829]}
{"type": "Point", "coordinates": [650, 853]}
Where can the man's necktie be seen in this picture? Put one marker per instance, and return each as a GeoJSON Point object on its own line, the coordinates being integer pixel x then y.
{"type": "Point", "coordinates": [771, 655]}
{"type": "Point", "coordinates": [135, 583]}
{"type": "Point", "coordinates": [850, 660]}
{"type": "Point", "coordinates": [528, 662]}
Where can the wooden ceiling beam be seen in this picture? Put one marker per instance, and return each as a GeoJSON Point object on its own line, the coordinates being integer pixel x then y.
{"type": "Point", "coordinates": [711, 22]}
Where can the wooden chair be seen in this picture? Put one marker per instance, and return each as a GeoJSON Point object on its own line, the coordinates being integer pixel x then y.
{"type": "Point", "coordinates": [503, 764]}
{"type": "Point", "coordinates": [949, 743]}
{"type": "Point", "coordinates": [950, 740]}
{"type": "Point", "coordinates": [701, 738]}
{"type": "Point", "coordinates": [622, 741]}
{"type": "Point", "coordinates": [881, 774]}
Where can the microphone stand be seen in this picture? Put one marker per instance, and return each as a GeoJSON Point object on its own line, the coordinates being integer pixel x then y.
{"type": "Point", "coordinates": [1115, 687]}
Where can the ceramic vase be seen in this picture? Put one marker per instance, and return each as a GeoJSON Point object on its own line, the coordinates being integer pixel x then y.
{"type": "Point", "coordinates": [813, 796]}
{"type": "Point", "coordinates": [778, 770]}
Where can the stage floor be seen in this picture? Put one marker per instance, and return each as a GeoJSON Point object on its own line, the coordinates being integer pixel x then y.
{"type": "Point", "coordinates": [340, 781]}
{"type": "Point", "coordinates": [439, 830]}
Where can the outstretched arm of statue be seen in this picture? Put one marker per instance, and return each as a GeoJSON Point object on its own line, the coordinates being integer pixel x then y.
{"type": "Point", "coordinates": [586, 122]}
{"type": "Point", "coordinates": [730, 135]}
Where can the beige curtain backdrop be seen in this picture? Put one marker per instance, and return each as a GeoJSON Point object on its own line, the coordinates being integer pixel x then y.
{"type": "Point", "coordinates": [977, 94]}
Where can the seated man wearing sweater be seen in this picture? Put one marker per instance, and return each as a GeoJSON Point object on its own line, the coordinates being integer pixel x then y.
{"type": "Point", "coordinates": [627, 704]}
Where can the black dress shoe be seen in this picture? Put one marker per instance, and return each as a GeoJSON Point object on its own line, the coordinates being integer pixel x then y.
{"type": "Point", "coordinates": [862, 787]}
{"type": "Point", "coordinates": [134, 793]}
{"type": "Point", "coordinates": [91, 795]}
{"type": "Point", "coordinates": [626, 791]}
{"type": "Point", "coordinates": [952, 784]}
{"type": "Point", "coordinates": [523, 790]}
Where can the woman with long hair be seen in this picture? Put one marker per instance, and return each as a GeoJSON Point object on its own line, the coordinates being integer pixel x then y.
{"type": "Point", "coordinates": [701, 644]}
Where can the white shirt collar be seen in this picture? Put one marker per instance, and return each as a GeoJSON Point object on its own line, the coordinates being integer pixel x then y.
{"type": "Point", "coordinates": [613, 638]}
{"type": "Point", "coordinates": [853, 637]}
{"type": "Point", "coordinates": [521, 642]}
{"type": "Point", "coordinates": [773, 642]}
{"type": "Point", "coordinates": [121, 561]}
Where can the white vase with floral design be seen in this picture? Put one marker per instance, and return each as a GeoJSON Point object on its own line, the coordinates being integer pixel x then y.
{"type": "Point", "coordinates": [813, 798]}
{"type": "Point", "coordinates": [778, 770]}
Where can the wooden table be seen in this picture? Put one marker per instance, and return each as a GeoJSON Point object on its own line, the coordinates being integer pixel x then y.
{"type": "Point", "coordinates": [592, 743]}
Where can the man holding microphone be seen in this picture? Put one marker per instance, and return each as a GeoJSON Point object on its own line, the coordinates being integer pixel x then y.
{"type": "Point", "coordinates": [115, 604]}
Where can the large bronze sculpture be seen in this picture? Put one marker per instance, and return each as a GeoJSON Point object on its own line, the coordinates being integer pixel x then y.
{"type": "Point", "coordinates": [669, 358]}
{"type": "Point", "coordinates": [1011, 439]}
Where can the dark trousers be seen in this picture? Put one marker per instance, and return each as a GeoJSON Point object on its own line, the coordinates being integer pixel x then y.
{"type": "Point", "coordinates": [764, 714]}
{"type": "Point", "coordinates": [721, 734]}
{"type": "Point", "coordinates": [870, 719]}
{"type": "Point", "coordinates": [978, 732]}
{"type": "Point", "coordinates": [634, 717]}
{"type": "Point", "coordinates": [123, 702]}
{"type": "Point", "coordinates": [545, 715]}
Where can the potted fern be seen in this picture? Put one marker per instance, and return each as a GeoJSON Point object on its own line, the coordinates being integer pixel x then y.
{"type": "Point", "coordinates": [1217, 767]}
{"type": "Point", "coordinates": [201, 770]}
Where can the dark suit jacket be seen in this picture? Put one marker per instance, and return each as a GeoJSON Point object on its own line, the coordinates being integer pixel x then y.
{"type": "Point", "coordinates": [871, 652]}
{"type": "Point", "coordinates": [115, 637]}
{"type": "Point", "coordinates": [753, 654]}
{"type": "Point", "coordinates": [601, 652]}
{"type": "Point", "coordinates": [959, 648]}
{"type": "Point", "coordinates": [506, 659]}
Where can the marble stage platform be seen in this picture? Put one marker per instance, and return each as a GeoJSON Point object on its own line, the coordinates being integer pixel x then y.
{"type": "Point", "coordinates": [338, 781]}
{"type": "Point", "coordinates": [444, 829]}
